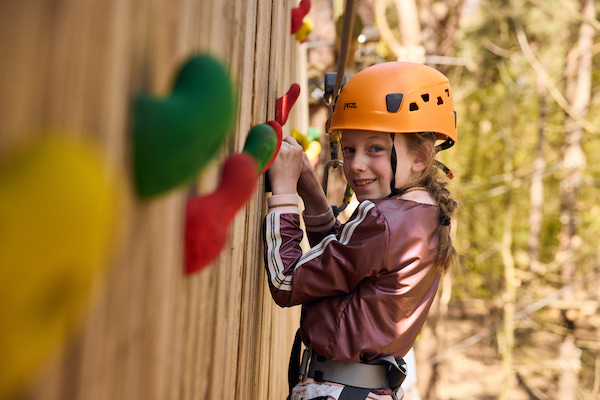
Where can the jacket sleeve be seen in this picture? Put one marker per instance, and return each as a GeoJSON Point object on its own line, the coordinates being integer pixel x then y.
{"type": "Point", "coordinates": [334, 266]}
{"type": "Point", "coordinates": [320, 226]}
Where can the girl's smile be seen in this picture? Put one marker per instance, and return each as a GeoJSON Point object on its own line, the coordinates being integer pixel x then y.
{"type": "Point", "coordinates": [367, 163]}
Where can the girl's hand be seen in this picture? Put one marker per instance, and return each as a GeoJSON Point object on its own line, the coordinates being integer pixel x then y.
{"type": "Point", "coordinates": [285, 170]}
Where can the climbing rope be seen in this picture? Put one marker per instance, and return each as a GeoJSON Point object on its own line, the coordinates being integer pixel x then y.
{"type": "Point", "coordinates": [348, 25]}
{"type": "Point", "coordinates": [331, 96]}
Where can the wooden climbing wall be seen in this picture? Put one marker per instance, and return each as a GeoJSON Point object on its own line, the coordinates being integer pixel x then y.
{"type": "Point", "coordinates": [153, 332]}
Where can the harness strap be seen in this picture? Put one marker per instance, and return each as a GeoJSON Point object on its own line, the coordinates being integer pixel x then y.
{"type": "Point", "coordinates": [294, 364]}
{"type": "Point", "coordinates": [385, 372]}
{"type": "Point", "coordinates": [356, 374]}
{"type": "Point", "coordinates": [354, 393]}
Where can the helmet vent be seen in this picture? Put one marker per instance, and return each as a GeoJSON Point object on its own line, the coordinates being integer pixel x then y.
{"type": "Point", "coordinates": [447, 92]}
{"type": "Point", "coordinates": [425, 97]}
{"type": "Point", "coordinates": [393, 102]}
{"type": "Point", "coordinates": [413, 107]}
{"type": "Point", "coordinates": [440, 101]}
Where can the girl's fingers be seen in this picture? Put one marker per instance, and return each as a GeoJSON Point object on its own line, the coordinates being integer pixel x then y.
{"type": "Point", "coordinates": [292, 141]}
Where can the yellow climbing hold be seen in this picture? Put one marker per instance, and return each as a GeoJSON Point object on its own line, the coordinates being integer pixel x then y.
{"type": "Point", "coordinates": [313, 151]}
{"type": "Point", "coordinates": [58, 210]}
{"type": "Point", "coordinates": [305, 29]}
{"type": "Point", "coordinates": [300, 138]}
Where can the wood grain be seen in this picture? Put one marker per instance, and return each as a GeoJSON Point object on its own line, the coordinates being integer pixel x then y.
{"type": "Point", "coordinates": [152, 332]}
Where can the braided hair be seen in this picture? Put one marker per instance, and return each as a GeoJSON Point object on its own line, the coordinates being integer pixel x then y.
{"type": "Point", "coordinates": [430, 180]}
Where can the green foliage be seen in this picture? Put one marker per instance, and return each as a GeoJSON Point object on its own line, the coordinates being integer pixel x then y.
{"type": "Point", "coordinates": [499, 107]}
{"type": "Point", "coordinates": [499, 121]}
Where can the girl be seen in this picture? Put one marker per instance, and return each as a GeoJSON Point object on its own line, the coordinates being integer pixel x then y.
{"type": "Point", "coordinates": [366, 287]}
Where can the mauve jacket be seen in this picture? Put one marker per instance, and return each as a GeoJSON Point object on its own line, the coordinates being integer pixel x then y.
{"type": "Point", "coordinates": [365, 287]}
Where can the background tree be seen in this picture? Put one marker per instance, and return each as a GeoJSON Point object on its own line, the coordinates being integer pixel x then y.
{"type": "Point", "coordinates": [525, 77]}
{"type": "Point", "coordinates": [578, 77]}
{"type": "Point", "coordinates": [521, 69]}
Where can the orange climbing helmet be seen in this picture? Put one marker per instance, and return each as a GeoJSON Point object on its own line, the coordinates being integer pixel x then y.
{"type": "Point", "coordinates": [397, 97]}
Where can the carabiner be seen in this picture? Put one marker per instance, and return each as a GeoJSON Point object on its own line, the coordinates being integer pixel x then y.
{"type": "Point", "coordinates": [347, 193]}
{"type": "Point", "coordinates": [333, 163]}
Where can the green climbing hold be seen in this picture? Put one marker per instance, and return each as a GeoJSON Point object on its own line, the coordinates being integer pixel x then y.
{"type": "Point", "coordinates": [313, 133]}
{"type": "Point", "coordinates": [175, 137]}
{"type": "Point", "coordinates": [261, 144]}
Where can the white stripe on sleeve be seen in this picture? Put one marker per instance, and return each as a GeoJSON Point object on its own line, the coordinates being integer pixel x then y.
{"type": "Point", "coordinates": [275, 264]}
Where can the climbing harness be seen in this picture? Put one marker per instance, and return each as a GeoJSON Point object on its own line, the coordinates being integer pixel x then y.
{"type": "Point", "coordinates": [358, 378]}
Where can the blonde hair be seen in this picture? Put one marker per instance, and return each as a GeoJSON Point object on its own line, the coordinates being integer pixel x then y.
{"type": "Point", "coordinates": [430, 179]}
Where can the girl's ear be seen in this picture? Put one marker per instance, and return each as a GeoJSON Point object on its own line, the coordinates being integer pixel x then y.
{"type": "Point", "coordinates": [423, 157]}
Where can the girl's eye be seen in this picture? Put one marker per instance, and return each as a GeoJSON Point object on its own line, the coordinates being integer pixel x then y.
{"type": "Point", "coordinates": [347, 150]}
{"type": "Point", "coordinates": [376, 148]}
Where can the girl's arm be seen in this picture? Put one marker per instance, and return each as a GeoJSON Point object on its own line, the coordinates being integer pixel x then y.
{"type": "Point", "coordinates": [311, 191]}
{"type": "Point", "coordinates": [334, 266]}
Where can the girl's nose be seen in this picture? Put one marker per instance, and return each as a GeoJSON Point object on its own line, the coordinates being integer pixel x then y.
{"type": "Point", "coordinates": [358, 162]}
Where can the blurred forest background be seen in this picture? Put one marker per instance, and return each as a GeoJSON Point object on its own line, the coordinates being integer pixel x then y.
{"type": "Point", "coordinates": [519, 318]}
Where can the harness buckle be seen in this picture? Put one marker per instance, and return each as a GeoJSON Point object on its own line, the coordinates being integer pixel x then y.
{"type": "Point", "coordinates": [303, 371]}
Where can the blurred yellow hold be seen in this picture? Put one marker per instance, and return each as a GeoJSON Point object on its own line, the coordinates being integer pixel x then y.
{"type": "Point", "coordinates": [313, 151]}
{"type": "Point", "coordinates": [305, 29]}
{"type": "Point", "coordinates": [300, 138]}
{"type": "Point", "coordinates": [58, 209]}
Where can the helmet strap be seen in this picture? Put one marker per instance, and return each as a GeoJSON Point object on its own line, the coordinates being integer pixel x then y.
{"type": "Point", "coordinates": [446, 170]}
{"type": "Point", "coordinates": [444, 146]}
{"type": "Point", "coordinates": [394, 161]}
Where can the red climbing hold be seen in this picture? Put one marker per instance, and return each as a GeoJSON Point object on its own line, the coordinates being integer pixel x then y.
{"type": "Point", "coordinates": [298, 14]}
{"type": "Point", "coordinates": [208, 217]}
{"type": "Point", "coordinates": [285, 103]}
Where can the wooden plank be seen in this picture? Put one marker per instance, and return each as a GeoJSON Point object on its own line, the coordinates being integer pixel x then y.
{"type": "Point", "coordinates": [263, 110]}
{"type": "Point", "coordinates": [153, 332]}
{"type": "Point", "coordinates": [21, 77]}
{"type": "Point", "coordinates": [243, 60]}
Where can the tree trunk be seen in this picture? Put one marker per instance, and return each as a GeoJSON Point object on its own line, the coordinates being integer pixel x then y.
{"type": "Point", "coordinates": [440, 22]}
{"type": "Point", "coordinates": [410, 28]}
{"type": "Point", "coordinates": [536, 192]}
{"type": "Point", "coordinates": [409, 45]}
{"type": "Point", "coordinates": [426, 347]}
{"type": "Point", "coordinates": [429, 27]}
{"type": "Point", "coordinates": [579, 71]}
{"type": "Point", "coordinates": [507, 339]}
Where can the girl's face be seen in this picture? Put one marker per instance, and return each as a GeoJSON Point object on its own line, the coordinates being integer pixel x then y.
{"type": "Point", "coordinates": [367, 163]}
